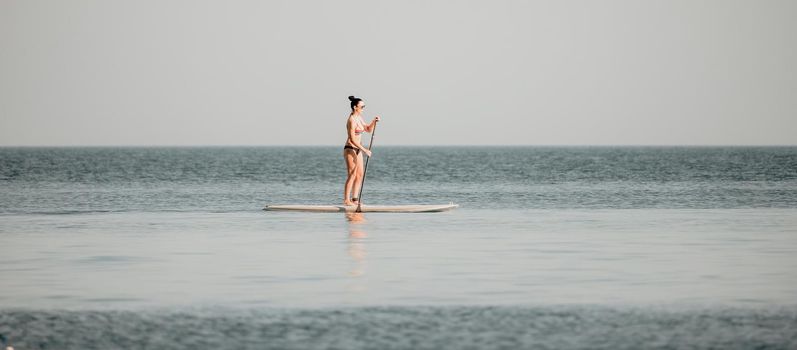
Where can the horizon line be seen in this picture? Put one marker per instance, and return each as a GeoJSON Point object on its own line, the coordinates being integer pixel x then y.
{"type": "Point", "coordinates": [389, 145]}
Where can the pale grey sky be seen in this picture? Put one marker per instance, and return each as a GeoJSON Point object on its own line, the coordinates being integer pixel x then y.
{"type": "Point", "coordinates": [110, 72]}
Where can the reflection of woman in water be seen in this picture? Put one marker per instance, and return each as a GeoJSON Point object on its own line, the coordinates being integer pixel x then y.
{"type": "Point", "coordinates": [352, 151]}
{"type": "Point", "coordinates": [356, 248]}
{"type": "Point", "coordinates": [355, 217]}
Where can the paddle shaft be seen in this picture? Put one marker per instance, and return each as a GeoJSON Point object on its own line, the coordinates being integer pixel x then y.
{"type": "Point", "coordinates": [365, 171]}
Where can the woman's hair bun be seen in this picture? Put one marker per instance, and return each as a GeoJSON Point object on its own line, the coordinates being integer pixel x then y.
{"type": "Point", "coordinates": [354, 101]}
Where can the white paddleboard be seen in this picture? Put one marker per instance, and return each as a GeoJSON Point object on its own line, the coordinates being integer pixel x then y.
{"type": "Point", "coordinates": [423, 208]}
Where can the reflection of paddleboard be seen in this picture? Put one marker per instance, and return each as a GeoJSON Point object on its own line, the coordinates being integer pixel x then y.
{"type": "Point", "coordinates": [423, 208]}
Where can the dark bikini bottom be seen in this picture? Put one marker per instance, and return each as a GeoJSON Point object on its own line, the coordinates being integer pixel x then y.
{"type": "Point", "coordinates": [356, 150]}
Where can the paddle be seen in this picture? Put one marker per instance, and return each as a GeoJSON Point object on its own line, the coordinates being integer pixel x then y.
{"type": "Point", "coordinates": [365, 171]}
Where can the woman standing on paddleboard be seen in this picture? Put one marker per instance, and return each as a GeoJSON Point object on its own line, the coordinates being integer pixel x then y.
{"type": "Point", "coordinates": [353, 150]}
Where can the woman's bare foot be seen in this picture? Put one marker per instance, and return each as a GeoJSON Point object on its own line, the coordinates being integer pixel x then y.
{"type": "Point", "coordinates": [347, 203]}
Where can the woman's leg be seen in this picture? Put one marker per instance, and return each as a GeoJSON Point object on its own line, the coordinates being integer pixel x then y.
{"type": "Point", "coordinates": [351, 166]}
{"type": "Point", "coordinates": [358, 173]}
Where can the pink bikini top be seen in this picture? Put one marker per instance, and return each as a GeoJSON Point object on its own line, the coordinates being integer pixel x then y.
{"type": "Point", "coordinates": [361, 124]}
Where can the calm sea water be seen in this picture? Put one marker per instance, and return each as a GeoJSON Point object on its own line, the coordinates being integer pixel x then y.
{"type": "Point", "coordinates": [552, 247]}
